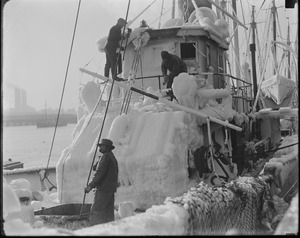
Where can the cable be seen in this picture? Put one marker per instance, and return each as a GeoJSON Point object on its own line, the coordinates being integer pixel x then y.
{"type": "Point", "coordinates": [62, 94]}
{"type": "Point", "coordinates": [80, 133]}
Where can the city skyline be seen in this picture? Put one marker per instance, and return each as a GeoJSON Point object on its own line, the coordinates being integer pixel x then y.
{"type": "Point", "coordinates": [17, 103]}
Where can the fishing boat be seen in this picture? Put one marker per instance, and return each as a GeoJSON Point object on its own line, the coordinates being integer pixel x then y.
{"type": "Point", "coordinates": [209, 141]}
{"type": "Point", "coordinates": [9, 164]}
{"type": "Point", "coordinates": [280, 90]}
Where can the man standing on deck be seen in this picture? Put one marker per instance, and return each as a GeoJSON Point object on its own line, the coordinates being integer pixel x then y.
{"type": "Point", "coordinates": [105, 181]}
{"type": "Point", "coordinates": [175, 65]}
{"type": "Point", "coordinates": [113, 42]}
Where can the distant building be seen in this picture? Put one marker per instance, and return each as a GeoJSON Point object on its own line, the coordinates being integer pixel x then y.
{"type": "Point", "coordinates": [20, 103]}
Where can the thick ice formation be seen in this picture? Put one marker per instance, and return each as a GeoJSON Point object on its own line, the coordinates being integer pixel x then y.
{"type": "Point", "coordinates": [11, 201]}
{"type": "Point", "coordinates": [19, 218]}
{"type": "Point", "coordinates": [283, 164]}
{"type": "Point", "coordinates": [290, 221]}
{"type": "Point", "coordinates": [151, 143]}
{"type": "Point", "coordinates": [206, 18]}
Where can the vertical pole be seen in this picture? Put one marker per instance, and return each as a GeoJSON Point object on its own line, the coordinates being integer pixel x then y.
{"type": "Point", "coordinates": [161, 11]}
{"type": "Point", "coordinates": [173, 9]}
{"type": "Point", "coordinates": [289, 53]}
{"type": "Point", "coordinates": [237, 55]}
{"type": "Point", "coordinates": [236, 41]}
{"type": "Point", "coordinates": [252, 50]}
{"type": "Point", "coordinates": [274, 29]}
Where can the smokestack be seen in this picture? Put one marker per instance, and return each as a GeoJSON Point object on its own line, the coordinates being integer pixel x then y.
{"type": "Point", "coordinates": [23, 98]}
{"type": "Point", "coordinates": [18, 98]}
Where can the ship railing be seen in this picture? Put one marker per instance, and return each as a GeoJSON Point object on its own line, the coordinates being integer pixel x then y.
{"type": "Point", "coordinates": [241, 90]}
{"type": "Point", "coordinates": [163, 100]}
{"type": "Point", "coordinates": [241, 93]}
{"type": "Point", "coordinates": [149, 77]}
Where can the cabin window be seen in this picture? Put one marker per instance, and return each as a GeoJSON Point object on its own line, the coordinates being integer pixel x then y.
{"type": "Point", "coordinates": [208, 58]}
{"type": "Point", "coordinates": [220, 62]}
{"type": "Point", "coordinates": [188, 51]}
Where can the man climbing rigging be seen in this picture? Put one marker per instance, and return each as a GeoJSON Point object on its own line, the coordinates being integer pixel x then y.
{"type": "Point", "coordinates": [113, 42]}
{"type": "Point", "coordinates": [175, 65]}
{"type": "Point", "coordinates": [105, 181]}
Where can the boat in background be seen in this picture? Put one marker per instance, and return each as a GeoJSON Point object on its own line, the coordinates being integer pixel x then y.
{"type": "Point", "coordinates": [278, 91]}
{"type": "Point", "coordinates": [36, 177]}
{"type": "Point", "coordinates": [10, 165]}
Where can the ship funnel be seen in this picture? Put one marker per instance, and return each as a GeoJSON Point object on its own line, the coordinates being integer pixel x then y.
{"type": "Point", "coordinates": [186, 7]}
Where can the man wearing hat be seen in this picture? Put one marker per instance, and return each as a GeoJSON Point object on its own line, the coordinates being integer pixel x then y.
{"type": "Point", "coordinates": [113, 42]}
{"type": "Point", "coordinates": [175, 65]}
{"type": "Point", "coordinates": [105, 182]}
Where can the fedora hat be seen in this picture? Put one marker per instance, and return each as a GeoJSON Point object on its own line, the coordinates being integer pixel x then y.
{"type": "Point", "coordinates": [107, 143]}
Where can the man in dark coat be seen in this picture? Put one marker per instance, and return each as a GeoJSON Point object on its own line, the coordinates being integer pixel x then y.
{"type": "Point", "coordinates": [105, 181]}
{"type": "Point", "coordinates": [113, 42]}
{"type": "Point", "coordinates": [175, 65]}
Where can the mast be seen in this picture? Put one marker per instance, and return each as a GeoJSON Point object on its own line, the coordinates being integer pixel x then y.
{"type": "Point", "coordinates": [273, 10]}
{"type": "Point", "coordinates": [173, 9]}
{"type": "Point", "coordinates": [161, 12]}
{"type": "Point", "coordinates": [252, 50]}
{"type": "Point", "coordinates": [289, 53]}
{"type": "Point", "coordinates": [236, 41]}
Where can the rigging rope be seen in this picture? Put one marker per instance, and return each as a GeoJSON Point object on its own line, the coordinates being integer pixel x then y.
{"type": "Point", "coordinates": [80, 133]}
{"type": "Point", "coordinates": [63, 90]}
{"type": "Point", "coordinates": [105, 114]}
{"type": "Point", "coordinates": [132, 75]}
{"type": "Point", "coordinates": [138, 58]}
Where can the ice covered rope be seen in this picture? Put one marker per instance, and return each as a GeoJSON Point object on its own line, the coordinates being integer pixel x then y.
{"type": "Point", "coordinates": [215, 210]}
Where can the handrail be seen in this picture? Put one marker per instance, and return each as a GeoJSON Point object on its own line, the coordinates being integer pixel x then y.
{"type": "Point", "coordinates": [163, 100]}
{"type": "Point", "coordinates": [222, 75]}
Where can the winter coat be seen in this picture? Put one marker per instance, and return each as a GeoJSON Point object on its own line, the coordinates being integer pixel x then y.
{"type": "Point", "coordinates": [175, 65]}
{"type": "Point", "coordinates": [106, 176]}
{"type": "Point", "coordinates": [114, 37]}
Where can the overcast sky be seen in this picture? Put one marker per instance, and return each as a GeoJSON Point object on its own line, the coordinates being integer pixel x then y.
{"type": "Point", "coordinates": [37, 37]}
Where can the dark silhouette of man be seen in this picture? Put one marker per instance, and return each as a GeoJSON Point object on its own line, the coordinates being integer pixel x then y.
{"type": "Point", "coordinates": [105, 182]}
{"type": "Point", "coordinates": [113, 42]}
{"type": "Point", "coordinates": [175, 65]}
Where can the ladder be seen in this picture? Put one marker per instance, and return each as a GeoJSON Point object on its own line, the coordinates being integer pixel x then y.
{"type": "Point", "coordinates": [132, 75]}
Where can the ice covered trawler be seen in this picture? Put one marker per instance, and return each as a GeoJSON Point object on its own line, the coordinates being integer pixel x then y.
{"type": "Point", "coordinates": [165, 147]}
{"type": "Point", "coordinates": [185, 155]}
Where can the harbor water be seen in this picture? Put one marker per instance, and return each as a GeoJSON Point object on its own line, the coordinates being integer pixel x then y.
{"type": "Point", "coordinates": [31, 145]}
